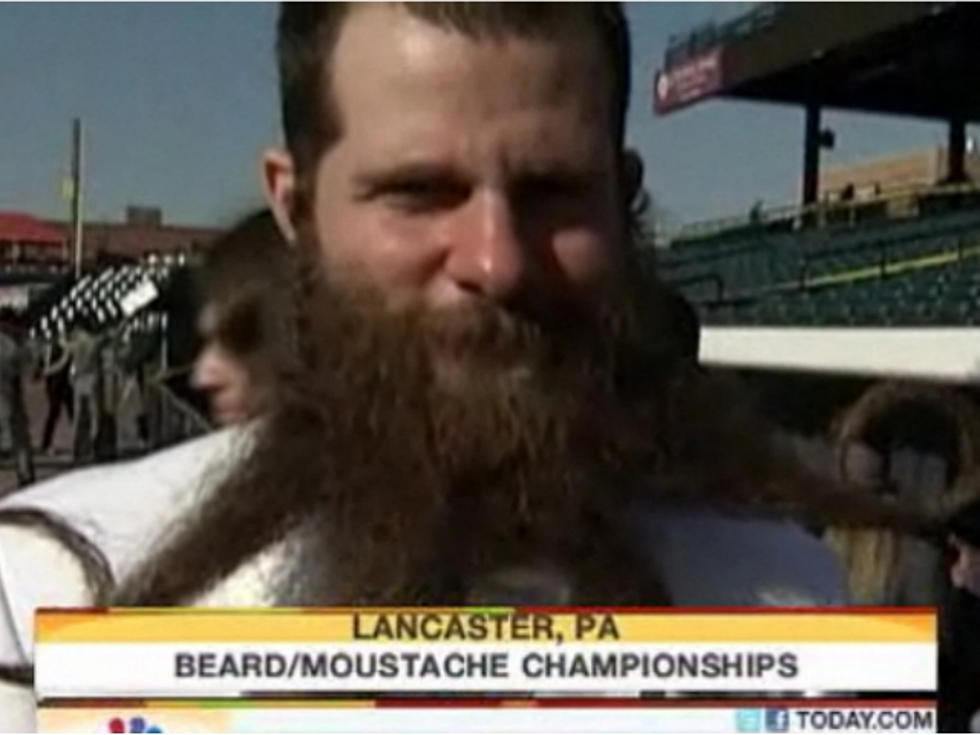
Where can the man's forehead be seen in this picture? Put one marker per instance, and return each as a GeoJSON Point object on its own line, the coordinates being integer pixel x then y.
{"type": "Point", "coordinates": [386, 43]}
{"type": "Point", "coordinates": [396, 73]}
{"type": "Point", "coordinates": [560, 21]}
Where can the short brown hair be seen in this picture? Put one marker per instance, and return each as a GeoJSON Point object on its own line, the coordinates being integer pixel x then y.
{"type": "Point", "coordinates": [245, 277]}
{"type": "Point", "coordinates": [308, 32]}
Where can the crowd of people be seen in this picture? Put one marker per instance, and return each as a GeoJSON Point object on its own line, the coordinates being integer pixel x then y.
{"type": "Point", "coordinates": [446, 377]}
{"type": "Point", "coordinates": [88, 376]}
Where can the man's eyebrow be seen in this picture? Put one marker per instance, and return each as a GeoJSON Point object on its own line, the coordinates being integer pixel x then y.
{"type": "Point", "coordinates": [569, 167]}
{"type": "Point", "coordinates": [558, 170]}
{"type": "Point", "coordinates": [406, 173]}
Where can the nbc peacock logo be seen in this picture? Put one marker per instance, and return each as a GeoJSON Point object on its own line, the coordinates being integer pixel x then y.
{"type": "Point", "coordinates": [133, 724]}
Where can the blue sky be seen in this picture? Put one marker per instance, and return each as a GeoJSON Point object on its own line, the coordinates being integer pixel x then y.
{"type": "Point", "coordinates": [179, 99]}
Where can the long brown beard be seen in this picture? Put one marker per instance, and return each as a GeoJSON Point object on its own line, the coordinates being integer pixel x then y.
{"type": "Point", "coordinates": [412, 487]}
{"type": "Point", "coordinates": [409, 492]}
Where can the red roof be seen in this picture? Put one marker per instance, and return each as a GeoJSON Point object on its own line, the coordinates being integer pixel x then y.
{"type": "Point", "coordinates": [19, 227]}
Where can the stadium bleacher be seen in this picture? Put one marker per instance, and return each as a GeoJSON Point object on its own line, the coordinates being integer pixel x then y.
{"type": "Point", "coordinates": [105, 298]}
{"type": "Point", "coordinates": [909, 271]}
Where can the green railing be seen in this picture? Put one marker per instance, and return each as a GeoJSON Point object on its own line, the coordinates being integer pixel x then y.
{"type": "Point", "coordinates": [884, 269]}
{"type": "Point", "coordinates": [171, 418]}
{"type": "Point", "coordinates": [796, 216]}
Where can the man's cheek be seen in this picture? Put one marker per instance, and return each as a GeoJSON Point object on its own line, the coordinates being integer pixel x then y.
{"type": "Point", "coordinates": [956, 573]}
{"type": "Point", "coordinates": [585, 259]}
{"type": "Point", "coordinates": [971, 571]}
{"type": "Point", "coordinates": [387, 254]}
{"type": "Point", "coordinates": [965, 573]}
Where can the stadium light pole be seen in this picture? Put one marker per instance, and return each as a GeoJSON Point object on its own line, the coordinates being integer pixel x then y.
{"type": "Point", "coordinates": [956, 151]}
{"type": "Point", "coordinates": [811, 153]}
{"type": "Point", "coordinates": [77, 175]}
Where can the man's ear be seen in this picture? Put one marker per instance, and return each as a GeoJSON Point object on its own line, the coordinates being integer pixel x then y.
{"type": "Point", "coordinates": [279, 183]}
{"type": "Point", "coordinates": [632, 173]}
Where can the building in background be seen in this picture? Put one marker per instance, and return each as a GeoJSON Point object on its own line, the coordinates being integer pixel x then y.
{"type": "Point", "coordinates": [871, 178]}
{"type": "Point", "coordinates": [34, 252]}
{"type": "Point", "coordinates": [27, 239]}
{"type": "Point", "coordinates": [142, 233]}
{"type": "Point", "coordinates": [32, 255]}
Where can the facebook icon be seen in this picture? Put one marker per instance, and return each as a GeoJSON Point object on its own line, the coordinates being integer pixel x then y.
{"type": "Point", "coordinates": [777, 720]}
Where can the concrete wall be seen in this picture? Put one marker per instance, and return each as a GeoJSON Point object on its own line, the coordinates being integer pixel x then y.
{"type": "Point", "coordinates": [920, 168]}
{"type": "Point", "coordinates": [948, 354]}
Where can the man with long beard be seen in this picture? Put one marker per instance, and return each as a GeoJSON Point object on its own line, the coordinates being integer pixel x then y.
{"type": "Point", "coordinates": [486, 402]}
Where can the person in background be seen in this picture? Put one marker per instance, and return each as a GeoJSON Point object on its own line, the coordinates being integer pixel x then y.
{"type": "Point", "coordinates": [685, 323]}
{"type": "Point", "coordinates": [959, 649]}
{"type": "Point", "coordinates": [108, 394]}
{"type": "Point", "coordinates": [243, 322]}
{"type": "Point", "coordinates": [54, 367]}
{"type": "Point", "coordinates": [136, 349]}
{"type": "Point", "coordinates": [83, 347]}
{"type": "Point", "coordinates": [13, 413]}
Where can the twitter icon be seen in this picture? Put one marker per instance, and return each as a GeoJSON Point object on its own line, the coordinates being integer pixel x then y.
{"type": "Point", "coordinates": [748, 720]}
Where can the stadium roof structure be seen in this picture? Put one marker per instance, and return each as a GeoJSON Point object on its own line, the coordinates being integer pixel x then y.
{"type": "Point", "coordinates": [25, 228]}
{"type": "Point", "coordinates": [916, 59]}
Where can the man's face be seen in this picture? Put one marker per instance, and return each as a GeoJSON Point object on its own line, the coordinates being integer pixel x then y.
{"type": "Point", "coordinates": [222, 376]}
{"type": "Point", "coordinates": [467, 224]}
{"type": "Point", "coordinates": [469, 171]}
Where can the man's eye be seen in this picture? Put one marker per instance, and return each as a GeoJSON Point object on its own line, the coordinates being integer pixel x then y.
{"type": "Point", "coordinates": [554, 189]}
{"type": "Point", "coordinates": [423, 196]}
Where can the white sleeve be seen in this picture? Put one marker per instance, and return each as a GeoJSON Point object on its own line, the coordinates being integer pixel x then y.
{"type": "Point", "coordinates": [16, 701]}
{"type": "Point", "coordinates": [705, 558]}
{"type": "Point", "coordinates": [35, 571]}
{"type": "Point", "coordinates": [17, 711]}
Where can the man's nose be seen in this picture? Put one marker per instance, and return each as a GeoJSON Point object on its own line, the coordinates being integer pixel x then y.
{"type": "Point", "coordinates": [490, 256]}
